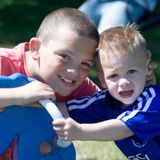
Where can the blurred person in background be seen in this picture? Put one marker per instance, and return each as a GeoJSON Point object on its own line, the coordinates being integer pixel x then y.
{"type": "Point", "coordinates": [110, 13]}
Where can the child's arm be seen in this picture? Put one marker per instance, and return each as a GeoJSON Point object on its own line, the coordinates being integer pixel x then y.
{"type": "Point", "coordinates": [27, 94]}
{"type": "Point", "coordinates": [104, 131]}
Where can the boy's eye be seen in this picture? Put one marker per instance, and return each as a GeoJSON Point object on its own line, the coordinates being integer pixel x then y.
{"type": "Point", "coordinates": [86, 65]}
{"type": "Point", "coordinates": [113, 76]}
{"type": "Point", "coordinates": [65, 57]}
{"type": "Point", "coordinates": [131, 71]}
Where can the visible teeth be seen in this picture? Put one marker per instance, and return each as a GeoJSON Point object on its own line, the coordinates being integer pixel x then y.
{"type": "Point", "coordinates": [67, 80]}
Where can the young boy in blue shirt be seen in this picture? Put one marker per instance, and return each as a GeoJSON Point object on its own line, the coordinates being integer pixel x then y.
{"type": "Point", "coordinates": [127, 112]}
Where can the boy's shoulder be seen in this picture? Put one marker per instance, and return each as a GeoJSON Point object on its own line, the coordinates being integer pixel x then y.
{"type": "Point", "coordinates": [13, 52]}
{"type": "Point", "coordinates": [150, 92]}
{"type": "Point", "coordinates": [102, 97]}
{"type": "Point", "coordinates": [153, 88]}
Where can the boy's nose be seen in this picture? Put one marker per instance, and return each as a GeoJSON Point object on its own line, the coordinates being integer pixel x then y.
{"type": "Point", "coordinates": [74, 70]}
{"type": "Point", "coordinates": [123, 82]}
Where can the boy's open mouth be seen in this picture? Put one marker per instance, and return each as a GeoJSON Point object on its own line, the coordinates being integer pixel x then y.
{"type": "Point", "coordinates": [126, 94]}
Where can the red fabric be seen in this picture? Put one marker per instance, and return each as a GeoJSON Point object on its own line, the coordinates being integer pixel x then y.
{"type": "Point", "coordinates": [85, 89]}
{"type": "Point", "coordinates": [12, 61]}
{"type": "Point", "coordinates": [8, 155]}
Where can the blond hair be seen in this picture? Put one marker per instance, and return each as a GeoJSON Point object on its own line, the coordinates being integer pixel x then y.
{"type": "Point", "coordinates": [70, 18]}
{"type": "Point", "coordinates": [118, 41]}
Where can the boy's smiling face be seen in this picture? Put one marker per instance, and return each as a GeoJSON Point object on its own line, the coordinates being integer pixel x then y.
{"type": "Point", "coordinates": [66, 61]}
{"type": "Point", "coordinates": [125, 75]}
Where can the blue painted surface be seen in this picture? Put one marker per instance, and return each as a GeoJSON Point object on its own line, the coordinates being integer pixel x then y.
{"type": "Point", "coordinates": [32, 126]}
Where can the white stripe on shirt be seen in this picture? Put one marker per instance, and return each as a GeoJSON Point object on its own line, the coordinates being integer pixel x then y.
{"type": "Point", "coordinates": [85, 102]}
{"type": "Point", "coordinates": [149, 100]}
{"type": "Point", "coordinates": [140, 106]}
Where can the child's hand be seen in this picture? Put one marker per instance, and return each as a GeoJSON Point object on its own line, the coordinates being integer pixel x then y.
{"type": "Point", "coordinates": [33, 92]}
{"type": "Point", "coordinates": [67, 129]}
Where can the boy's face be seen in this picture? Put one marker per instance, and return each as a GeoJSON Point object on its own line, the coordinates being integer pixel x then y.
{"type": "Point", "coordinates": [125, 77]}
{"type": "Point", "coordinates": [66, 61]}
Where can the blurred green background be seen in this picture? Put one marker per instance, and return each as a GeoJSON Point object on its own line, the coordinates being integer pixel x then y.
{"type": "Point", "coordinates": [19, 21]}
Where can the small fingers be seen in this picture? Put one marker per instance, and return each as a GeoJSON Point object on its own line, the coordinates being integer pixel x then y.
{"type": "Point", "coordinates": [58, 125]}
{"type": "Point", "coordinates": [58, 122]}
{"type": "Point", "coordinates": [58, 129]}
{"type": "Point", "coordinates": [61, 132]}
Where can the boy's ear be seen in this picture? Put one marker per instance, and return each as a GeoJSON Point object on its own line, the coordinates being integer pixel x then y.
{"type": "Point", "coordinates": [148, 60]}
{"type": "Point", "coordinates": [150, 67]}
{"type": "Point", "coordinates": [149, 64]}
{"type": "Point", "coordinates": [101, 78]}
{"type": "Point", "coordinates": [34, 46]}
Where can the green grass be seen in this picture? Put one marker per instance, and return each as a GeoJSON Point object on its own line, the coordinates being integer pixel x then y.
{"type": "Point", "coordinates": [19, 22]}
{"type": "Point", "coordinates": [97, 151]}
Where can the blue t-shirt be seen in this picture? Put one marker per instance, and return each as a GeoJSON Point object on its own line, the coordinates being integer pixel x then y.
{"type": "Point", "coordinates": [142, 117]}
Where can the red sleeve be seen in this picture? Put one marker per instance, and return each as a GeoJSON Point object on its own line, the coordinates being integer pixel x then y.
{"type": "Point", "coordinates": [87, 88]}
{"type": "Point", "coordinates": [6, 66]}
{"type": "Point", "coordinates": [12, 60]}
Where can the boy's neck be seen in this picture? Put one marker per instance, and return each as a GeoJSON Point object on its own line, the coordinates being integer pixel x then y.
{"type": "Point", "coordinates": [123, 106]}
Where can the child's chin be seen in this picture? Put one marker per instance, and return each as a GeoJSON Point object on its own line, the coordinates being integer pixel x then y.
{"type": "Point", "coordinates": [127, 103]}
{"type": "Point", "coordinates": [64, 94]}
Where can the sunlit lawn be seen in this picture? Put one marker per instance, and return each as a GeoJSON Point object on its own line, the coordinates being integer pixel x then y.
{"type": "Point", "coordinates": [98, 151]}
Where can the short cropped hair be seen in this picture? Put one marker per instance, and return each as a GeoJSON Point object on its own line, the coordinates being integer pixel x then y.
{"type": "Point", "coordinates": [121, 39]}
{"type": "Point", "coordinates": [71, 18]}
